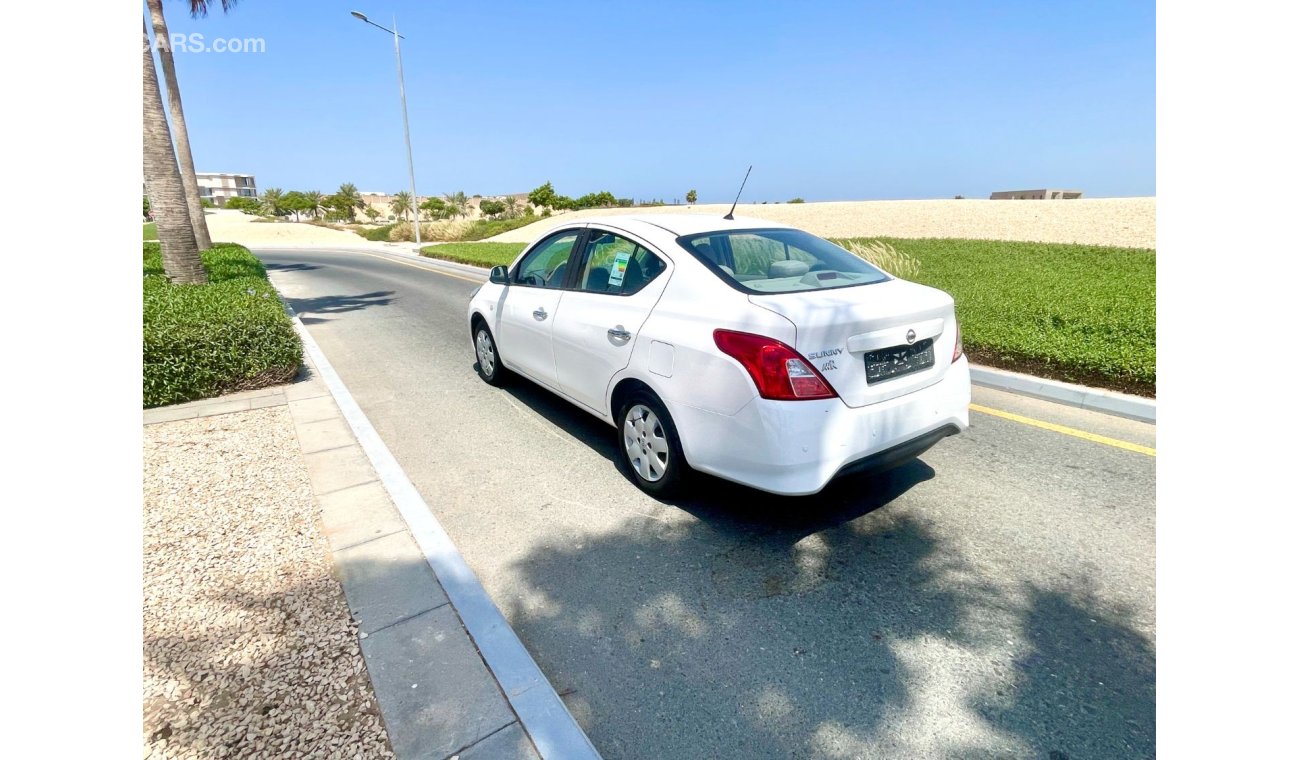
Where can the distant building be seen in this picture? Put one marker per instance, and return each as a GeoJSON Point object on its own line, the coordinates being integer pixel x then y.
{"type": "Point", "coordinates": [219, 188]}
{"type": "Point", "coordinates": [1036, 195]}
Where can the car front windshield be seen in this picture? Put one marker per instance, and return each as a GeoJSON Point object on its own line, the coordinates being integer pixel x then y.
{"type": "Point", "coordinates": [779, 261]}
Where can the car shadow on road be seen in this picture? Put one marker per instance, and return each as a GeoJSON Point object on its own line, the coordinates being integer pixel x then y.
{"type": "Point", "coordinates": [814, 635]}
{"type": "Point", "coordinates": [311, 309]}
{"type": "Point", "coordinates": [833, 625]}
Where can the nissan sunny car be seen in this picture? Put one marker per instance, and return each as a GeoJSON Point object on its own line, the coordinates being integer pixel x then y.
{"type": "Point", "coordinates": [744, 349]}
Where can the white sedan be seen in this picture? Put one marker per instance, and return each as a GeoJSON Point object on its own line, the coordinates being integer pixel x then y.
{"type": "Point", "coordinates": [745, 349]}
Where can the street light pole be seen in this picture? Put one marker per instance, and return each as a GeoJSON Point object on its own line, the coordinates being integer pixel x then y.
{"type": "Point", "coordinates": [406, 124]}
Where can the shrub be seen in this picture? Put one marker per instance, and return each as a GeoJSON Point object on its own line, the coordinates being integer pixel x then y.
{"type": "Point", "coordinates": [231, 334]}
{"type": "Point", "coordinates": [247, 205]}
{"type": "Point", "coordinates": [886, 257]}
{"type": "Point", "coordinates": [378, 233]}
{"type": "Point", "coordinates": [795, 200]}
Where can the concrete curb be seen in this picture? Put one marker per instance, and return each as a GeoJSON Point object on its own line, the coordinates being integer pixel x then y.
{"type": "Point", "coordinates": [544, 717]}
{"type": "Point", "coordinates": [1082, 396]}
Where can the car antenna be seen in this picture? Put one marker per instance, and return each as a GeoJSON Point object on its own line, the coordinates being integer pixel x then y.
{"type": "Point", "coordinates": [738, 192]}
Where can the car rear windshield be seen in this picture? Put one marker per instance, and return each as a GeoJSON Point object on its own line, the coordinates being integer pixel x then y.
{"type": "Point", "coordinates": [779, 261]}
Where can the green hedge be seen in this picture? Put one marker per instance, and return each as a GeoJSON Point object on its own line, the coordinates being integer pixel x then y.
{"type": "Point", "coordinates": [205, 340]}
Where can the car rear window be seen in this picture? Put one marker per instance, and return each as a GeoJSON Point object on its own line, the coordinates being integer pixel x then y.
{"type": "Point", "coordinates": [779, 261]}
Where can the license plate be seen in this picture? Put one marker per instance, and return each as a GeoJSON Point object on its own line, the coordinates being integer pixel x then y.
{"type": "Point", "coordinates": [896, 361]}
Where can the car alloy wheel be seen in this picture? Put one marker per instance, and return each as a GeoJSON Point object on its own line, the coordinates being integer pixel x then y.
{"type": "Point", "coordinates": [646, 443]}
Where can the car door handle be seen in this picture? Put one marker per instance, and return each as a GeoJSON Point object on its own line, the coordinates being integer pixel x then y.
{"type": "Point", "coordinates": [618, 333]}
{"type": "Point", "coordinates": [539, 315]}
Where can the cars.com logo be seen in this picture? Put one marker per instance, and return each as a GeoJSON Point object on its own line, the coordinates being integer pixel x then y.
{"type": "Point", "coordinates": [195, 42]}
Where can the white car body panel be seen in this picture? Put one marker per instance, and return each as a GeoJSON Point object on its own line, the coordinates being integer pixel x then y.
{"type": "Point", "coordinates": [725, 427]}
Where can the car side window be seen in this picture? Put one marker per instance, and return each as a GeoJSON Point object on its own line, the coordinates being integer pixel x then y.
{"type": "Point", "coordinates": [615, 265]}
{"type": "Point", "coordinates": [547, 264]}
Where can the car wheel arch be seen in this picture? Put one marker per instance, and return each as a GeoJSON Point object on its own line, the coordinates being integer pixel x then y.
{"type": "Point", "coordinates": [625, 387]}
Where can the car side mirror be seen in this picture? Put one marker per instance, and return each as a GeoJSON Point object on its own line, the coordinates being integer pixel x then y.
{"type": "Point", "coordinates": [499, 276]}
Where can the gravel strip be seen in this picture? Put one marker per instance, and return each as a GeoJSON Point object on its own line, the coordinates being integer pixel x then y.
{"type": "Point", "coordinates": [249, 648]}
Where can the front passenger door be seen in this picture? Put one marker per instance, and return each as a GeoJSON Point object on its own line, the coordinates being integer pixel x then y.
{"type": "Point", "coordinates": [530, 304]}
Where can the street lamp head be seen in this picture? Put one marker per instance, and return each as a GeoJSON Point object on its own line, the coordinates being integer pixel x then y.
{"type": "Point", "coordinates": [360, 15]}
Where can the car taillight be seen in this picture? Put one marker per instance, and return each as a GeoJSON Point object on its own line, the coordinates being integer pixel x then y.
{"type": "Point", "coordinates": [957, 349]}
{"type": "Point", "coordinates": [778, 370]}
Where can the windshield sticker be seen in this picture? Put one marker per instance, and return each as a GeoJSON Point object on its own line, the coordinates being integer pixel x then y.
{"type": "Point", "coordinates": [617, 273]}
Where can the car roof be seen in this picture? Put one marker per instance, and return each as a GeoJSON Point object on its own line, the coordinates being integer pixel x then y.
{"type": "Point", "coordinates": [680, 224]}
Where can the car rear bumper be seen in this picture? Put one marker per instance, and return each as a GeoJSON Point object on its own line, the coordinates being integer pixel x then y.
{"type": "Point", "coordinates": [797, 447]}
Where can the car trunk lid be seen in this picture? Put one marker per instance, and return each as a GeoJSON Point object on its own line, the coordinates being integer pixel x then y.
{"type": "Point", "coordinates": [870, 341]}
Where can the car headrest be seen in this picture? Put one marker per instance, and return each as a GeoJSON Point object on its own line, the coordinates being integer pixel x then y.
{"type": "Point", "coordinates": [789, 268]}
{"type": "Point", "coordinates": [598, 280]}
{"type": "Point", "coordinates": [634, 277]}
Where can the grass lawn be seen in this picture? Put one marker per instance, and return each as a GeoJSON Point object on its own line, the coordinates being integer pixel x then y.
{"type": "Point", "coordinates": [479, 254]}
{"type": "Point", "coordinates": [151, 231]}
{"type": "Point", "coordinates": [231, 334]}
{"type": "Point", "coordinates": [1079, 313]}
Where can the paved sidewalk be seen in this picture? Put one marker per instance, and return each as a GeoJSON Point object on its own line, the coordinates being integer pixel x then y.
{"type": "Point", "coordinates": [438, 698]}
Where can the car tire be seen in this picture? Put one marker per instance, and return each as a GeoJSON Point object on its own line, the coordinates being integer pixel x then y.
{"type": "Point", "coordinates": [487, 358]}
{"type": "Point", "coordinates": [649, 446]}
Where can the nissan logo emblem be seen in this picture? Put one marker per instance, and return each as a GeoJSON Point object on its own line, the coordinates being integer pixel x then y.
{"type": "Point", "coordinates": [911, 336]}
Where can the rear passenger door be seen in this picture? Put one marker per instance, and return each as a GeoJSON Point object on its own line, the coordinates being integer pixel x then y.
{"type": "Point", "coordinates": [619, 281]}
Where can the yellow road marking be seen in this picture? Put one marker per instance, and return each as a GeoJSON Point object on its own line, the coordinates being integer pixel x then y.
{"type": "Point", "coordinates": [1066, 430]}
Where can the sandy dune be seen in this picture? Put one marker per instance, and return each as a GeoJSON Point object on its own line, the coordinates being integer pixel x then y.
{"type": "Point", "coordinates": [1128, 222]}
{"type": "Point", "coordinates": [238, 227]}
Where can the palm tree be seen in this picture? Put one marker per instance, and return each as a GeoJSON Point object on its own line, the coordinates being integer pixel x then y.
{"type": "Point", "coordinates": [182, 134]}
{"type": "Point", "coordinates": [512, 206]}
{"type": "Point", "coordinates": [271, 198]}
{"type": "Point", "coordinates": [457, 203]}
{"type": "Point", "coordinates": [401, 204]}
{"type": "Point", "coordinates": [351, 199]}
{"type": "Point", "coordinates": [317, 202]}
{"type": "Point", "coordinates": [180, 252]}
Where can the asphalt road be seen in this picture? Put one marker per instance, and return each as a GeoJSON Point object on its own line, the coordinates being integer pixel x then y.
{"type": "Point", "coordinates": [995, 598]}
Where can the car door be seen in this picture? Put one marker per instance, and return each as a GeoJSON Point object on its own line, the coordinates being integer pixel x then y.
{"type": "Point", "coordinates": [530, 304]}
{"type": "Point", "coordinates": [619, 281]}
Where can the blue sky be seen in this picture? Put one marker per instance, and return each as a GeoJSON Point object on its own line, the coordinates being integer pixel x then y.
{"type": "Point", "coordinates": [828, 100]}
